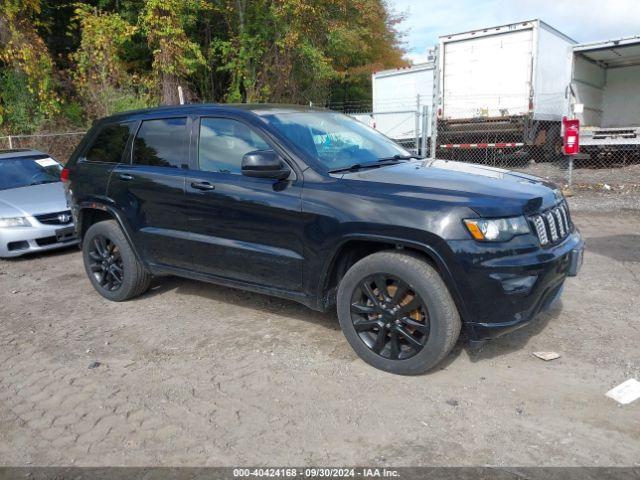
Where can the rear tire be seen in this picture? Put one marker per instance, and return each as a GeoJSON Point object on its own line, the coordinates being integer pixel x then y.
{"type": "Point", "coordinates": [111, 264]}
{"type": "Point", "coordinates": [416, 332]}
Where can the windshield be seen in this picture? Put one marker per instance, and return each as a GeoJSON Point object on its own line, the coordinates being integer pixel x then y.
{"type": "Point", "coordinates": [335, 140]}
{"type": "Point", "coordinates": [22, 172]}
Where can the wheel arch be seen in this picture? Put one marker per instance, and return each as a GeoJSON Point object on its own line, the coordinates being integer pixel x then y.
{"type": "Point", "coordinates": [91, 213]}
{"type": "Point", "coordinates": [355, 247]}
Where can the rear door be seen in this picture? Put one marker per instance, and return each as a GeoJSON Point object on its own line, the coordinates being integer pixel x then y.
{"type": "Point", "coordinates": [488, 76]}
{"type": "Point", "coordinates": [149, 190]}
{"type": "Point", "coordinates": [244, 228]}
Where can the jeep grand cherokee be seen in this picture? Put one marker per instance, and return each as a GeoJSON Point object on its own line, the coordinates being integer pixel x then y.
{"type": "Point", "coordinates": [313, 206]}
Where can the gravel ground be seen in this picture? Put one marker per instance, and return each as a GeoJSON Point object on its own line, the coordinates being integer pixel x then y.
{"type": "Point", "coordinates": [196, 374]}
{"type": "Point", "coordinates": [589, 178]}
{"type": "Point", "coordinates": [603, 201]}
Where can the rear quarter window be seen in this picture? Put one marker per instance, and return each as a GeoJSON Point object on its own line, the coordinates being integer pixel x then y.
{"type": "Point", "coordinates": [110, 143]}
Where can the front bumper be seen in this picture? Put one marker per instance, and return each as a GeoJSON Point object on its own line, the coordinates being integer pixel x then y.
{"type": "Point", "coordinates": [17, 241]}
{"type": "Point", "coordinates": [504, 292]}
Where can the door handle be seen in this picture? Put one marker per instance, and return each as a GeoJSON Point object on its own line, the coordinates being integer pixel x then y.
{"type": "Point", "coordinates": [125, 176]}
{"type": "Point", "coordinates": [202, 186]}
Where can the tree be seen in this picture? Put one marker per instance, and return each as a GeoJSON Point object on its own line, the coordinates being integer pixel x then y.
{"type": "Point", "coordinates": [103, 56]}
{"type": "Point", "coordinates": [100, 74]}
{"type": "Point", "coordinates": [175, 55]}
{"type": "Point", "coordinates": [23, 54]}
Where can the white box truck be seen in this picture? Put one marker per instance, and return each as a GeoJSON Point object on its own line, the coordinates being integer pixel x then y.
{"type": "Point", "coordinates": [503, 90]}
{"type": "Point", "coordinates": [398, 98]}
{"type": "Point", "coordinates": [605, 97]}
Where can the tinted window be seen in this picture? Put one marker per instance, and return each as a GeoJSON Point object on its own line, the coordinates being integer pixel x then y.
{"type": "Point", "coordinates": [162, 143]}
{"type": "Point", "coordinates": [22, 172]}
{"type": "Point", "coordinates": [110, 143]}
{"type": "Point", "coordinates": [224, 142]}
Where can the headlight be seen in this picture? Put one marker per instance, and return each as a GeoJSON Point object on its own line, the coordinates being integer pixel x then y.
{"type": "Point", "coordinates": [14, 222]}
{"type": "Point", "coordinates": [496, 229]}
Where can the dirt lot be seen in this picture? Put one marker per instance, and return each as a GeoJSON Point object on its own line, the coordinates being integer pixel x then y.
{"type": "Point", "coordinates": [195, 374]}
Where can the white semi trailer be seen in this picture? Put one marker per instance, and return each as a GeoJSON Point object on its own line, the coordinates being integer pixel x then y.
{"type": "Point", "coordinates": [605, 97]}
{"type": "Point", "coordinates": [502, 92]}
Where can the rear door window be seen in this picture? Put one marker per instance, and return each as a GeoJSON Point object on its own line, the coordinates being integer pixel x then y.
{"type": "Point", "coordinates": [162, 143]}
{"type": "Point", "coordinates": [110, 143]}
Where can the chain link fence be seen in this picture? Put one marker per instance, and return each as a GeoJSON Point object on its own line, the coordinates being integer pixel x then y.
{"type": "Point", "coordinates": [609, 160]}
{"type": "Point", "coordinates": [58, 145]}
{"type": "Point", "coordinates": [408, 128]}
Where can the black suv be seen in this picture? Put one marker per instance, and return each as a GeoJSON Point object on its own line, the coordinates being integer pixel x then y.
{"type": "Point", "coordinates": [313, 206]}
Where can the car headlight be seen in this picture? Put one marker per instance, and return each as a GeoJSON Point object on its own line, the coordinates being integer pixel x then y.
{"type": "Point", "coordinates": [496, 229]}
{"type": "Point", "coordinates": [14, 222]}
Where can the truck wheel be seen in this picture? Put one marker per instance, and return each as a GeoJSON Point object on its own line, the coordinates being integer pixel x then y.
{"type": "Point", "coordinates": [397, 313]}
{"type": "Point", "coordinates": [110, 263]}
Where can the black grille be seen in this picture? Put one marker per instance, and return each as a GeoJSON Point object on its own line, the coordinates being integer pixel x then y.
{"type": "Point", "coordinates": [55, 218]}
{"type": "Point", "coordinates": [43, 242]}
{"type": "Point", "coordinates": [553, 225]}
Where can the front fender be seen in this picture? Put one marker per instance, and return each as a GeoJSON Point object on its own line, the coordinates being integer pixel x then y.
{"type": "Point", "coordinates": [436, 250]}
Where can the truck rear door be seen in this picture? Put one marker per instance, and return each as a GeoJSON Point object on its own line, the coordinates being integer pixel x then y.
{"type": "Point", "coordinates": [487, 76]}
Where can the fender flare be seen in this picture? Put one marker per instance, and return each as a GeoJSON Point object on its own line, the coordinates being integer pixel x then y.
{"type": "Point", "coordinates": [117, 216]}
{"type": "Point", "coordinates": [427, 249]}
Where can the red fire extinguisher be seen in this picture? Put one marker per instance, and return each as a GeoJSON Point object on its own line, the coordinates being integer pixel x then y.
{"type": "Point", "coordinates": [571, 136]}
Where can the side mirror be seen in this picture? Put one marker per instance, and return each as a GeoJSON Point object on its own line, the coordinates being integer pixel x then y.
{"type": "Point", "coordinates": [264, 164]}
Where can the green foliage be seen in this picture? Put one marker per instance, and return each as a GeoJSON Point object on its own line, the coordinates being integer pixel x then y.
{"type": "Point", "coordinates": [23, 52]}
{"type": "Point", "coordinates": [121, 101]}
{"type": "Point", "coordinates": [106, 56]}
{"type": "Point", "coordinates": [100, 72]}
{"type": "Point", "coordinates": [175, 55]}
{"type": "Point", "coordinates": [20, 109]}
{"type": "Point", "coordinates": [73, 113]}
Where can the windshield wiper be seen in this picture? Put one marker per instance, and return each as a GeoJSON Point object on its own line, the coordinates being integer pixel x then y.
{"type": "Point", "coordinates": [400, 157]}
{"type": "Point", "coordinates": [378, 163]}
{"type": "Point", "coordinates": [355, 167]}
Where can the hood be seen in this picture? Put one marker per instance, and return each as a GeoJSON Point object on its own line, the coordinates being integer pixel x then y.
{"type": "Point", "coordinates": [489, 191]}
{"type": "Point", "coordinates": [33, 200]}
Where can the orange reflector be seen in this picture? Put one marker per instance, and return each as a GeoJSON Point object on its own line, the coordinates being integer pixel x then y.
{"type": "Point", "coordinates": [474, 229]}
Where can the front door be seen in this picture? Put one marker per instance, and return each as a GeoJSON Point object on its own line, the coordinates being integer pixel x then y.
{"type": "Point", "coordinates": [243, 228]}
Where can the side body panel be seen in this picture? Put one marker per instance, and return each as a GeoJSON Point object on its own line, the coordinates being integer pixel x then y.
{"type": "Point", "coordinates": [89, 179]}
{"type": "Point", "coordinates": [552, 73]}
{"type": "Point", "coordinates": [248, 229]}
{"type": "Point", "coordinates": [152, 202]}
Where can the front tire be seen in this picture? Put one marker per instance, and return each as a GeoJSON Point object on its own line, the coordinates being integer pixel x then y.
{"type": "Point", "coordinates": [111, 264]}
{"type": "Point", "coordinates": [397, 313]}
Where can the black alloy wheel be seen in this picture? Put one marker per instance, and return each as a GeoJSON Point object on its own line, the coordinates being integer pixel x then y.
{"type": "Point", "coordinates": [106, 264]}
{"type": "Point", "coordinates": [390, 317]}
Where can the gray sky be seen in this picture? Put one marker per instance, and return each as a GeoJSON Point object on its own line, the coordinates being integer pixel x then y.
{"type": "Point", "coordinates": [582, 20]}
